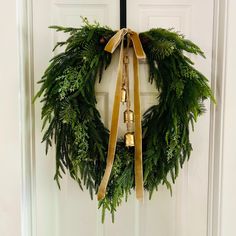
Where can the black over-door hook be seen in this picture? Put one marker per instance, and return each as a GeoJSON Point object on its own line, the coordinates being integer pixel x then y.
{"type": "Point", "coordinates": [123, 14]}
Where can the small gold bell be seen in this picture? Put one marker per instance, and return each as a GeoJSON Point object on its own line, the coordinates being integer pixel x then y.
{"type": "Point", "coordinates": [128, 116]}
{"type": "Point", "coordinates": [123, 95]}
{"type": "Point", "coordinates": [129, 139]}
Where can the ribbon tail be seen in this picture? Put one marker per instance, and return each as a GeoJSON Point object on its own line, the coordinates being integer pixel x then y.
{"type": "Point", "coordinates": [113, 131]}
{"type": "Point", "coordinates": [138, 132]}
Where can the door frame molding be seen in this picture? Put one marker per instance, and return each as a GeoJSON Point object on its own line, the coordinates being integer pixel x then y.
{"type": "Point", "coordinates": [218, 81]}
{"type": "Point", "coordinates": [26, 77]}
{"type": "Point", "coordinates": [217, 117]}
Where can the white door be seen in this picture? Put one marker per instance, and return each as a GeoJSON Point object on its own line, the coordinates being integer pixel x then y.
{"type": "Point", "coordinates": [70, 212]}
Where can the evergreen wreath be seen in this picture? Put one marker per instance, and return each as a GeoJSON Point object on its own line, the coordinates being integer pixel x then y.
{"type": "Point", "coordinates": [72, 121]}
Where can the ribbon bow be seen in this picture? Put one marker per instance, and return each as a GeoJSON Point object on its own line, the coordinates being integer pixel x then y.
{"type": "Point", "coordinates": [114, 42]}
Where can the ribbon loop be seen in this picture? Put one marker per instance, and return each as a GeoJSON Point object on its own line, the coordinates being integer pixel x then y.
{"type": "Point", "coordinates": [138, 48]}
{"type": "Point", "coordinates": [114, 42]}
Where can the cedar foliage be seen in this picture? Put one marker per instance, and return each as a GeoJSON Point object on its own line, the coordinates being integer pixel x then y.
{"type": "Point", "coordinates": [72, 122]}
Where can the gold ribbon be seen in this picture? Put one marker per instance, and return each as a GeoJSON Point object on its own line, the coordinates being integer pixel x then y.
{"type": "Point", "coordinates": [114, 42]}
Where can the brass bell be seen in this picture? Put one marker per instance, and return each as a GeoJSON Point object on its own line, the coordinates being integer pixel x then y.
{"type": "Point", "coordinates": [128, 116]}
{"type": "Point", "coordinates": [129, 139]}
{"type": "Point", "coordinates": [123, 95]}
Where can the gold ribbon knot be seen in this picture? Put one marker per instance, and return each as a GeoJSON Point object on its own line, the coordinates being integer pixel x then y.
{"type": "Point", "coordinates": [114, 42]}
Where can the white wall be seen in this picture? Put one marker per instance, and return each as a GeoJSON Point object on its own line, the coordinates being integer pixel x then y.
{"type": "Point", "coordinates": [228, 196]}
{"type": "Point", "coordinates": [10, 153]}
